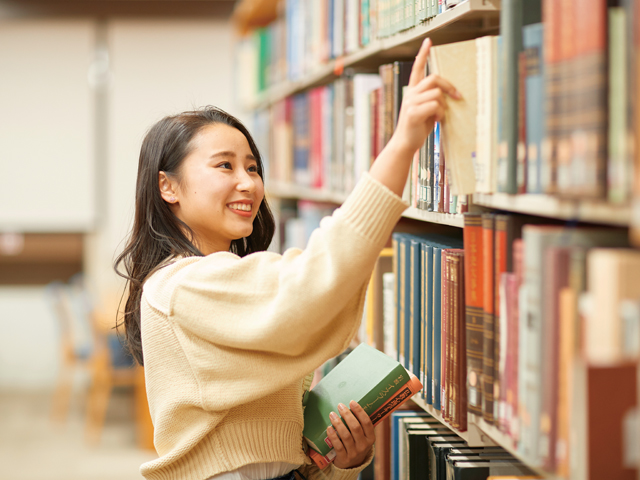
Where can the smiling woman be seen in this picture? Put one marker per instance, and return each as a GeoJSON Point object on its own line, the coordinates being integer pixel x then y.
{"type": "Point", "coordinates": [228, 332]}
{"type": "Point", "coordinates": [218, 189]}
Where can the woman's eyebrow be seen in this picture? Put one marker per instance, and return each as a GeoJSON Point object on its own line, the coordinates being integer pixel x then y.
{"type": "Point", "coordinates": [228, 153]}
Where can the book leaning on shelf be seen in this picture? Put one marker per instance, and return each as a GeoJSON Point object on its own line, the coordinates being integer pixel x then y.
{"type": "Point", "coordinates": [376, 381]}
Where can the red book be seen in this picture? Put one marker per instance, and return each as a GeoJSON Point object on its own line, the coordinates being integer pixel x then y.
{"type": "Point", "coordinates": [474, 316]}
{"type": "Point", "coordinates": [315, 132]}
{"type": "Point", "coordinates": [488, 220]}
{"type": "Point", "coordinates": [612, 396]}
{"type": "Point", "coordinates": [512, 388]}
{"type": "Point", "coordinates": [462, 345]}
{"type": "Point", "coordinates": [444, 344]}
{"type": "Point", "coordinates": [556, 272]}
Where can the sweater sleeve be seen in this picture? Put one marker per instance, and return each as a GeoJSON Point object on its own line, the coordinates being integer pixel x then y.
{"type": "Point", "coordinates": [331, 472]}
{"type": "Point", "coordinates": [252, 325]}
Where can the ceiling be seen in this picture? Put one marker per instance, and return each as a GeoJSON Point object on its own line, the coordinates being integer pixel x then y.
{"type": "Point", "coordinates": [115, 8]}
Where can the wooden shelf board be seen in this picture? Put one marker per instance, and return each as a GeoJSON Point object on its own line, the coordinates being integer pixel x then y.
{"type": "Point", "coordinates": [453, 220]}
{"type": "Point", "coordinates": [481, 434]}
{"type": "Point", "coordinates": [554, 207]}
{"type": "Point", "coordinates": [474, 17]}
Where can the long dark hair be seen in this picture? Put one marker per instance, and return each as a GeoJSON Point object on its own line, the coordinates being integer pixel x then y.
{"type": "Point", "coordinates": [157, 234]}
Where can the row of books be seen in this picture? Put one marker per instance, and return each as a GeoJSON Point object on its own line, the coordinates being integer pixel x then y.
{"type": "Point", "coordinates": [551, 104]}
{"type": "Point", "coordinates": [309, 33]}
{"type": "Point", "coordinates": [423, 449]}
{"type": "Point", "coordinates": [327, 137]}
{"type": "Point", "coordinates": [492, 325]}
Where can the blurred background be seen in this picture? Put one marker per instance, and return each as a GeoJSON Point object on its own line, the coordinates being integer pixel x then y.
{"type": "Point", "coordinates": [81, 81]}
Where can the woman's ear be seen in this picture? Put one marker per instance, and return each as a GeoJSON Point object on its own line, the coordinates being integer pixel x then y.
{"type": "Point", "coordinates": [168, 190]}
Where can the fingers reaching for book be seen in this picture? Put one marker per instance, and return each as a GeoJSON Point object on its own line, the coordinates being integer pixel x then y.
{"type": "Point", "coordinates": [420, 63]}
{"type": "Point", "coordinates": [364, 419]}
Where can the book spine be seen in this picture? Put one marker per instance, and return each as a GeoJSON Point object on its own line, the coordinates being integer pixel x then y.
{"type": "Point", "coordinates": [428, 281]}
{"type": "Point", "coordinates": [551, 55]}
{"type": "Point", "coordinates": [511, 14]}
{"type": "Point", "coordinates": [521, 149]}
{"type": "Point", "coordinates": [488, 308]}
{"type": "Point", "coordinates": [502, 248]}
{"type": "Point", "coordinates": [416, 288]}
{"type": "Point", "coordinates": [436, 169]}
{"type": "Point", "coordinates": [474, 320]}
{"type": "Point", "coordinates": [534, 103]}
{"type": "Point", "coordinates": [430, 171]}
{"type": "Point", "coordinates": [444, 345]}
{"type": "Point", "coordinates": [454, 262]}
{"type": "Point", "coordinates": [406, 305]}
{"type": "Point", "coordinates": [462, 342]}
{"type": "Point", "coordinates": [437, 327]}
{"type": "Point", "coordinates": [423, 318]}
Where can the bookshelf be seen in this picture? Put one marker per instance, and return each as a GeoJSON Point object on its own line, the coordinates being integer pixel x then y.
{"type": "Point", "coordinates": [554, 207]}
{"type": "Point", "coordinates": [471, 19]}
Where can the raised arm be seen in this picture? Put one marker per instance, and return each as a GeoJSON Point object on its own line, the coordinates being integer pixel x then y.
{"type": "Point", "coordinates": [423, 104]}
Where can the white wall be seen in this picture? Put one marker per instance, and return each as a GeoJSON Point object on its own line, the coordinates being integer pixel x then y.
{"type": "Point", "coordinates": [158, 68]}
{"type": "Point", "coordinates": [46, 132]}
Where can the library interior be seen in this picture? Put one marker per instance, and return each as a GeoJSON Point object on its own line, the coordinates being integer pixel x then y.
{"type": "Point", "coordinates": [496, 333]}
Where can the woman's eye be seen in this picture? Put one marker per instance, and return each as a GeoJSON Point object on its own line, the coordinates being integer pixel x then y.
{"type": "Point", "coordinates": [225, 165]}
{"type": "Point", "coordinates": [253, 168]}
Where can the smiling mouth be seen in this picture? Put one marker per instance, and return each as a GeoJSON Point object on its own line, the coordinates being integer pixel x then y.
{"type": "Point", "coordinates": [242, 209]}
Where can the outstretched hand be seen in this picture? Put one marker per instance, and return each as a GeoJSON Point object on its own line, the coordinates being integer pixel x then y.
{"type": "Point", "coordinates": [423, 104]}
{"type": "Point", "coordinates": [353, 444]}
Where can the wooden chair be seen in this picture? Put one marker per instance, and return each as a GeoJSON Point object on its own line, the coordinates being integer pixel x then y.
{"type": "Point", "coordinates": [75, 352]}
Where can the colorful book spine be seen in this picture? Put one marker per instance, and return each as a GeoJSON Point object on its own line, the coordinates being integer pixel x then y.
{"type": "Point", "coordinates": [437, 327]}
{"type": "Point", "coordinates": [488, 221]}
{"type": "Point", "coordinates": [534, 103]}
{"type": "Point", "coordinates": [474, 314]}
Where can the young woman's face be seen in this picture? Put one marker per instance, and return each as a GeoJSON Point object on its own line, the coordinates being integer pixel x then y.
{"type": "Point", "coordinates": [220, 191]}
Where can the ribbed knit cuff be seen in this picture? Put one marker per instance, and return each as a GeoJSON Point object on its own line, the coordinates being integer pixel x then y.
{"type": "Point", "coordinates": [373, 209]}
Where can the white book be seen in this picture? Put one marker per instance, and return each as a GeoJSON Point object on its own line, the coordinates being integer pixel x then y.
{"type": "Point", "coordinates": [363, 85]}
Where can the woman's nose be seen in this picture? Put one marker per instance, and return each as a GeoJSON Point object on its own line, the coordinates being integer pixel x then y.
{"type": "Point", "coordinates": [246, 183]}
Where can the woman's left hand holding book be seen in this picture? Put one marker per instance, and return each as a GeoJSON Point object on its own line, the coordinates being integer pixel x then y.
{"type": "Point", "coordinates": [352, 445]}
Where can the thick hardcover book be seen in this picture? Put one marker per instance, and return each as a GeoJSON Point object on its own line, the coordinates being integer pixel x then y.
{"type": "Point", "coordinates": [619, 167]}
{"type": "Point", "coordinates": [437, 328]}
{"type": "Point", "coordinates": [439, 448]}
{"type": "Point", "coordinates": [406, 327]}
{"type": "Point", "coordinates": [474, 315]}
{"type": "Point", "coordinates": [457, 62]}
{"type": "Point", "coordinates": [606, 433]}
{"type": "Point", "coordinates": [457, 402]}
{"type": "Point", "coordinates": [418, 461]}
{"type": "Point", "coordinates": [531, 325]}
{"type": "Point", "coordinates": [488, 221]}
{"type": "Point", "coordinates": [427, 299]}
{"type": "Point", "coordinates": [612, 278]}
{"type": "Point", "coordinates": [513, 15]}
{"type": "Point", "coordinates": [585, 172]}
{"type": "Point", "coordinates": [486, 133]}
{"type": "Point", "coordinates": [415, 311]}
{"type": "Point", "coordinates": [445, 330]}
{"type": "Point", "coordinates": [395, 419]}
{"type": "Point", "coordinates": [367, 376]}
{"type": "Point", "coordinates": [481, 470]}
{"type": "Point", "coordinates": [532, 36]}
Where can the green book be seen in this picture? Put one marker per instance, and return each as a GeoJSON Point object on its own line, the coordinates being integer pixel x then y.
{"type": "Point", "coordinates": [367, 376]}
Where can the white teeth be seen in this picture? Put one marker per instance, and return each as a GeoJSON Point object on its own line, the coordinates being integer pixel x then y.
{"type": "Point", "coordinates": [240, 206]}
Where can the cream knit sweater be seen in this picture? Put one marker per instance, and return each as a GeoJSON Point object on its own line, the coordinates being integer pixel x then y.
{"type": "Point", "coordinates": [228, 341]}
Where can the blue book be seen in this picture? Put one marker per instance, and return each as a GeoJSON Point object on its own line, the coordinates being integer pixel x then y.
{"type": "Point", "coordinates": [406, 327]}
{"type": "Point", "coordinates": [415, 311]}
{"type": "Point", "coordinates": [395, 437]}
{"type": "Point", "coordinates": [300, 121]}
{"type": "Point", "coordinates": [437, 326]}
{"type": "Point", "coordinates": [398, 270]}
{"type": "Point", "coordinates": [427, 302]}
{"type": "Point", "coordinates": [534, 103]}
